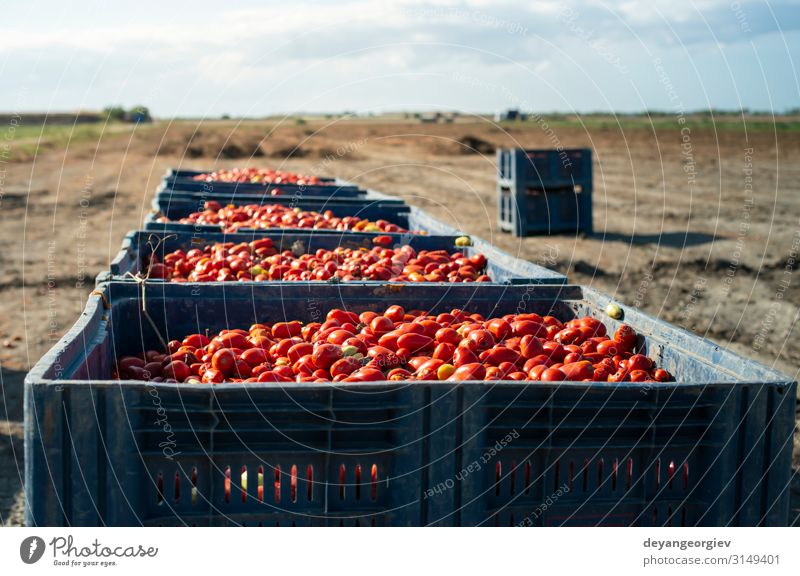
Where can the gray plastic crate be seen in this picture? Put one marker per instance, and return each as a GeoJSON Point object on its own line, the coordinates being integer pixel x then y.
{"type": "Point", "coordinates": [544, 191]}
{"type": "Point", "coordinates": [501, 266]}
{"type": "Point", "coordinates": [713, 448]}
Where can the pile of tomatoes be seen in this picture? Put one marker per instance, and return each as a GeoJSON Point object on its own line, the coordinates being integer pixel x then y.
{"type": "Point", "coordinates": [231, 217]}
{"type": "Point", "coordinates": [259, 260]}
{"type": "Point", "coordinates": [259, 175]}
{"type": "Point", "coordinates": [402, 345]}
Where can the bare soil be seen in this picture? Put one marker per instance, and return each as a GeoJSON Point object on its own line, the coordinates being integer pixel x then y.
{"type": "Point", "coordinates": [677, 231]}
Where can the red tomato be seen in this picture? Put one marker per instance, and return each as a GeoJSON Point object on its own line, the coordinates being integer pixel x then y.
{"type": "Point", "coordinates": [414, 342]}
{"type": "Point", "coordinates": [367, 374]}
{"type": "Point", "coordinates": [464, 355]}
{"type": "Point", "coordinates": [428, 369]}
{"type": "Point", "coordinates": [448, 335]}
{"type": "Point", "coordinates": [530, 346]}
{"type": "Point", "coordinates": [325, 355]}
{"type": "Point", "coordinates": [499, 328]}
{"type": "Point", "coordinates": [224, 360]}
{"type": "Point", "coordinates": [625, 336]}
{"type": "Point", "coordinates": [381, 325]}
{"type": "Point", "coordinates": [480, 340]}
{"type": "Point", "coordinates": [639, 362]}
{"type": "Point", "coordinates": [299, 350]}
{"type": "Point", "coordinates": [662, 375]}
{"type": "Point", "coordinates": [345, 366]}
{"type": "Point", "coordinates": [395, 313]}
{"type": "Point", "coordinates": [495, 356]}
{"type": "Point", "coordinates": [444, 352]}
{"type": "Point", "coordinates": [553, 375]}
{"type": "Point", "coordinates": [287, 329]}
{"type": "Point", "coordinates": [177, 369]}
{"type": "Point", "coordinates": [473, 371]}
{"type": "Point", "coordinates": [254, 356]}
{"type": "Point", "coordinates": [577, 371]}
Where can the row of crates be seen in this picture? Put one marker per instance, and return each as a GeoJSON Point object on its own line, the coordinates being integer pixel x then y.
{"type": "Point", "coordinates": [712, 448]}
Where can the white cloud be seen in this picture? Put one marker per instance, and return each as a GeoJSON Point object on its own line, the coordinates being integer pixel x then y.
{"type": "Point", "coordinates": [280, 55]}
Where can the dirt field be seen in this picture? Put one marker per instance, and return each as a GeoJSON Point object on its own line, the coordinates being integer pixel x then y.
{"type": "Point", "coordinates": [680, 229]}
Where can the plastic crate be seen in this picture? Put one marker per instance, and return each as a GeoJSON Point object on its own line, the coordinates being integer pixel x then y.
{"type": "Point", "coordinates": [176, 208]}
{"type": "Point", "coordinates": [407, 217]}
{"type": "Point", "coordinates": [713, 448]}
{"type": "Point", "coordinates": [183, 180]}
{"type": "Point", "coordinates": [164, 195]}
{"type": "Point", "coordinates": [501, 266]}
{"type": "Point", "coordinates": [544, 191]}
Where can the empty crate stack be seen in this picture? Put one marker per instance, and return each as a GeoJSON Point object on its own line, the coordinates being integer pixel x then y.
{"type": "Point", "coordinates": [544, 191]}
{"type": "Point", "coordinates": [710, 445]}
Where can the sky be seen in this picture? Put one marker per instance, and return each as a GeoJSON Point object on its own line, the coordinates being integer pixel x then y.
{"type": "Point", "coordinates": [205, 59]}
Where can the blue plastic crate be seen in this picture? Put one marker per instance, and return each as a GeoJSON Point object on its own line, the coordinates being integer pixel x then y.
{"type": "Point", "coordinates": [407, 217]}
{"type": "Point", "coordinates": [164, 195]}
{"type": "Point", "coordinates": [183, 180]}
{"type": "Point", "coordinates": [713, 448]}
{"type": "Point", "coordinates": [501, 267]}
{"type": "Point", "coordinates": [176, 208]}
{"type": "Point", "coordinates": [544, 191]}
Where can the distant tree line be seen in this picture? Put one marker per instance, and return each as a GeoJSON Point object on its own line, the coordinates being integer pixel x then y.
{"type": "Point", "coordinates": [136, 115]}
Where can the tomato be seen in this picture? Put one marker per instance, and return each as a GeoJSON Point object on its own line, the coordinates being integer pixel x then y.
{"type": "Point", "coordinates": [415, 342]}
{"type": "Point", "coordinates": [154, 369]}
{"type": "Point", "coordinates": [448, 335]}
{"type": "Point", "coordinates": [177, 369]}
{"type": "Point", "coordinates": [625, 336]}
{"type": "Point", "coordinates": [472, 371]}
{"type": "Point", "coordinates": [662, 375]}
{"type": "Point", "coordinates": [343, 316]}
{"type": "Point", "coordinates": [234, 340]}
{"type": "Point", "coordinates": [498, 354]}
{"type": "Point", "coordinates": [480, 340]}
{"type": "Point", "coordinates": [530, 346]}
{"type": "Point", "coordinates": [608, 348]}
{"type": "Point", "coordinates": [367, 374]}
{"type": "Point", "coordinates": [383, 358]}
{"type": "Point", "coordinates": [271, 376]}
{"type": "Point", "coordinates": [196, 340]}
{"type": "Point", "coordinates": [639, 362]}
{"type": "Point", "coordinates": [535, 373]}
{"type": "Point", "coordinates": [339, 336]}
{"type": "Point", "coordinates": [525, 327]}
{"type": "Point", "coordinates": [345, 366]}
{"type": "Point", "coordinates": [568, 336]}
{"type": "Point", "coordinates": [381, 325]}
{"type": "Point", "coordinates": [287, 329]}
{"type": "Point", "coordinates": [224, 360]}
{"type": "Point", "coordinates": [395, 313]}
{"type": "Point", "coordinates": [299, 350]}
{"type": "Point", "coordinates": [552, 375]}
{"type": "Point", "coordinates": [464, 355]}
{"type": "Point", "coordinates": [130, 361]}
{"type": "Point", "coordinates": [417, 361]}
{"type": "Point", "coordinates": [444, 351]}
{"type": "Point", "coordinates": [429, 369]}
{"type": "Point", "coordinates": [499, 328]}
{"type": "Point", "coordinates": [445, 371]}
{"type": "Point", "coordinates": [578, 371]}
{"type": "Point", "coordinates": [254, 356]}
{"type": "Point", "coordinates": [325, 355]}
{"type": "Point", "coordinates": [554, 350]}
{"type": "Point", "coordinates": [241, 369]}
